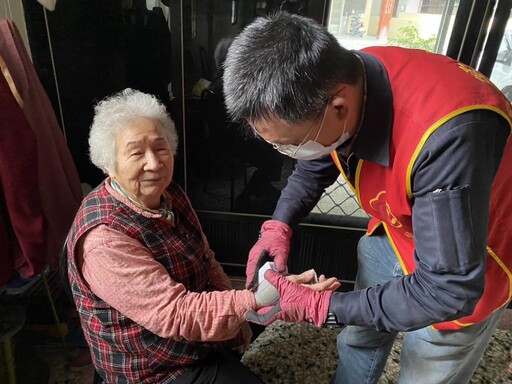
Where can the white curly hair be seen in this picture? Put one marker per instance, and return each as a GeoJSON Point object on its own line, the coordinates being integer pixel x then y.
{"type": "Point", "coordinates": [115, 113]}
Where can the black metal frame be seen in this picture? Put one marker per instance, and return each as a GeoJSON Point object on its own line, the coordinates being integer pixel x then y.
{"type": "Point", "coordinates": [477, 31]}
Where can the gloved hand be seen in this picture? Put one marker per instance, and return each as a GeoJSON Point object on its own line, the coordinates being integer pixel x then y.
{"type": "Point", "coordinates": [297, 302]}
{"type": "Point", "coordinates": [273, 245]}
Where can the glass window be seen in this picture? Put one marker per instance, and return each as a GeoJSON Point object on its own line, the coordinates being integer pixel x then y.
{"type": "Point", "coordinates": [408, 23]}
{"type": "Point", "coordinates": [226, 170]}
{"type": "Point", "coordinates": [502, 71]}
{"type": "Point", "coordinates": [433, 6]}
{"type": "Point", "coordinates": [229, 172]}
{"type": "Point", "coordinates": [98, 48]}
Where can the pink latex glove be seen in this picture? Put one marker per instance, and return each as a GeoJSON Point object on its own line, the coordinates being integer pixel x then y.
{"type": "Point", "coordinates": [297, 303]}
{"type": "Point", "coordinates": [274, 243]}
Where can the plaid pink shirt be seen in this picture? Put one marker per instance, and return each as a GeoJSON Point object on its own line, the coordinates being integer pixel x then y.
{"type": "Point", "coordinates": [152, 299]}
{"type": "Point", "coordinates": [140, 322]}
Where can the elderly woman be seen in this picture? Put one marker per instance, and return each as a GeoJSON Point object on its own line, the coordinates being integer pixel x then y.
{"type": "Point", "coordinates": [154, 303]}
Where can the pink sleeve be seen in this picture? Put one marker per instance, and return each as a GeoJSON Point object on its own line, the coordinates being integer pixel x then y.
{"type": "Point", "coordinates": [122, 272]}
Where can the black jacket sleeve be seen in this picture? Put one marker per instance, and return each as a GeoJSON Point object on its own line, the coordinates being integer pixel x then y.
{"type": "Point", "coordinates": [304, 188]}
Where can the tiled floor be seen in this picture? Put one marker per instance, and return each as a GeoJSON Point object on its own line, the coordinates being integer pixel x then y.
{"type": "Point", "coordinates": [299, 353]}
{"type": "Point", "coordinates": [295, 354]}
{"type": "Point", "coordinates": [282, 354]}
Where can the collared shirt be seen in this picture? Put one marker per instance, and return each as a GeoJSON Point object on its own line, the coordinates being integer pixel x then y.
{"type": "Point", "coordinates": [443, 162]}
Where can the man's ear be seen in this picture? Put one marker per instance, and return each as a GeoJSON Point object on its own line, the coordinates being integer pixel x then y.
{"type": "Point", "coordinates": [338, 99]}
{"type": "Point", "coordinates": [339, 104]}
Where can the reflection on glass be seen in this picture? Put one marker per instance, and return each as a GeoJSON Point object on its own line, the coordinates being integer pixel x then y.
{"type": "Point", "coordinates": [412, 24]}
{"type": "Point", "coordinates": [98, 48]}
{"type": "Point", "coordinates": [502, 71]}
{"type": "Point", "coordinates": [226, 169]}
{"type": "Point", "coordinates": [228, 172]}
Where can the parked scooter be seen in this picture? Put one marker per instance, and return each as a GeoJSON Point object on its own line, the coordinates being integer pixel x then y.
{"type": "Point", "coordinates": [357, 26]}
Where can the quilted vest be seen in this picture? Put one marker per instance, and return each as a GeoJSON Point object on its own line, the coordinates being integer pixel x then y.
{"type": "Point", "coordinates": [122, 350]}
{"type": "Point", "coordinates": [385, 193]}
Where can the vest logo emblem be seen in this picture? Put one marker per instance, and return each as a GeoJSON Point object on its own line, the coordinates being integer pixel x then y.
{"type": "Point", "coordinates": [477, 75]}
{"type": "Point", "coordinates": [381, 206]}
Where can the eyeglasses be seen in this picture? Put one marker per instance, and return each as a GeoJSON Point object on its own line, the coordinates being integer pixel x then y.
{"type": "Point", "coordinates": [290, 149]}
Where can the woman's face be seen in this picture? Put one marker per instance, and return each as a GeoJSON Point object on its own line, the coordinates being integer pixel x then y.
{"type": "Point", "coordinates": [144, 162]}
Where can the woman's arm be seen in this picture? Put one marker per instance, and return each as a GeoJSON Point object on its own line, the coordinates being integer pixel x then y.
{"type": "Point", "coordinates": [123, 273]}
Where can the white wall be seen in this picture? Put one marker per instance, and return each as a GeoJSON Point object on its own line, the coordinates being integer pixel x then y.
{"type": "Point", "coordinates": [427, 24]}
{"type": "Point", "coordinates": [13, 10]}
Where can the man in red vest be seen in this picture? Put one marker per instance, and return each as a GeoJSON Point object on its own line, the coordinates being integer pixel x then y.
{"type": "Point", "coordinates": [423, 141]}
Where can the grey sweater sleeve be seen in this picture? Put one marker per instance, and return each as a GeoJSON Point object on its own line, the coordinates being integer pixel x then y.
{"type": "Point", "coordinates": [452, 180]}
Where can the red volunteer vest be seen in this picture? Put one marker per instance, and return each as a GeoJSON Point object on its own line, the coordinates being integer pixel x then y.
{"type": "Point", "coordinates": [385, 192]}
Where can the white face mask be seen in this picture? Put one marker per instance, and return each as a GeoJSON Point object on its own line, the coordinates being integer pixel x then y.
{"type": "Point", "coordinates": [312, 149]}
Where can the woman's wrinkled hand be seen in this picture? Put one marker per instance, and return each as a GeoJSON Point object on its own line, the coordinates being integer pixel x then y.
{"type": "Point", "coordinates": [307, 278]}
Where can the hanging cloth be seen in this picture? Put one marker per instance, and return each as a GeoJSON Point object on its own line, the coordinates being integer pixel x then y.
{"type": "Point", "coordinates": [23, 231]}
{"type": "Point", "coordinates": [59, 184]}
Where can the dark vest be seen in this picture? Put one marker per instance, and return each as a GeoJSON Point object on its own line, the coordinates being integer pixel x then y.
{"type": "Point", "coordinates": [123, 351]}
